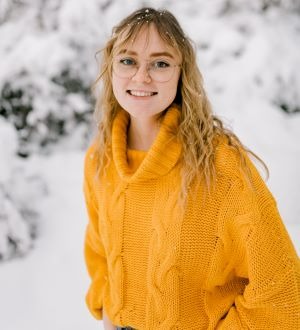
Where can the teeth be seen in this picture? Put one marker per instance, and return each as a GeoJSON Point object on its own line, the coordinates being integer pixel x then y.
{"type": "Point", "coordinates": [140, 93]}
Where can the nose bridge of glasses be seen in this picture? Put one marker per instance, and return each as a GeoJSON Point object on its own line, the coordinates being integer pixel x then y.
{"type": "Point", "coordinates": [142, 70]}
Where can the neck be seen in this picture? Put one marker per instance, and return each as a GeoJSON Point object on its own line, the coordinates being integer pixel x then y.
{"type": "Point", "coordinates": [142, 133]}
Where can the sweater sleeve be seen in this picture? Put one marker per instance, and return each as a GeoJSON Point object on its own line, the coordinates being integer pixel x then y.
{"type": "Point", "coordinates": [265, 256]}
{"type": "Point", "coordinates": [94, 252]}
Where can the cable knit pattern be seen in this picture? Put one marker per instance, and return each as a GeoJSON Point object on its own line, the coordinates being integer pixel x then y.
{"type": "Point", "coordinates": [227, 262]}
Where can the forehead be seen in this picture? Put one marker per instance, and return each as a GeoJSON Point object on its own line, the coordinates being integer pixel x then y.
{"type": "Point", "coordinates": [146, 42]}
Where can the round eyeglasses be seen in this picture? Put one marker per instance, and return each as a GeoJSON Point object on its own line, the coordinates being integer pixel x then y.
{"type": "Point", "coordinates": [158, 70]}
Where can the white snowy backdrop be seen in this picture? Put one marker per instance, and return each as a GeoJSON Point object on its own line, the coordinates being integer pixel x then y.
{"type": "Point", "coordinates": [249, 55]}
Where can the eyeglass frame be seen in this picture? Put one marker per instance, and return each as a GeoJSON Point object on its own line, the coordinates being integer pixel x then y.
{"type": "Point", "coordinates": [147, 69]}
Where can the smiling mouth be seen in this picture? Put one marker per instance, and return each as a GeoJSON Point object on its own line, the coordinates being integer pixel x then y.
{"type": "Point", "coordinates": [141, 93]}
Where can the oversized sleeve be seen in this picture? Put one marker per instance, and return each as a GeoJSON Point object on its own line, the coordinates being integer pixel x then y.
{"type": "Point", "coordinates": [94, 252]}
{"type": "Point", "coordinates": [261, 252]}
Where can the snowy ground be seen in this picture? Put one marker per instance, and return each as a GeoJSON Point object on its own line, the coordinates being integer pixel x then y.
{"type": "Point", "coordinates": [249, 66]}
{"type": "Point", "coordinates": [46, 289]}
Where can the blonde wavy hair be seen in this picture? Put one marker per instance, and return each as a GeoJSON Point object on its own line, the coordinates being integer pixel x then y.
{"type": "Point", "coordinates": [198, 130]}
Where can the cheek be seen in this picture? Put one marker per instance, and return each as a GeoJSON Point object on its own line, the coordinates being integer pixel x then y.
{"type": "Point", "coordinates": [118, 86]}
{"type": "Point", "coordinates": [114, 84]}
{"type": "Point", "coordinates": [172, 88]}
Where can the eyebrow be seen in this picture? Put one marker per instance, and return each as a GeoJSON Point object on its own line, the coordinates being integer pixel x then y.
{"type": "Point", "coordinates": [130, 52]}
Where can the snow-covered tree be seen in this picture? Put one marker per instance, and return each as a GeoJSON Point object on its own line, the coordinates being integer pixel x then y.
{"type": "Point", "coordinates": [47, 67]}
{"type": "Point", "coordinates": [20, 192]}
{"type": "Point", "coordinates": [263, 5]}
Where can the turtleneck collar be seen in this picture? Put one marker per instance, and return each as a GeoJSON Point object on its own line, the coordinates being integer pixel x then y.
{"type": "Point", "coordinates": [162, 155]}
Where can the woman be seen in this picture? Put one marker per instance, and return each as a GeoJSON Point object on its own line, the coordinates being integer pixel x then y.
{"type": "Point", "coordinates": [183, 233]}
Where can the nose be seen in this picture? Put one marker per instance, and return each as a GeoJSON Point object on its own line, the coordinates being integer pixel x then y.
{"type": "Point", "coordinates": [142, 74]}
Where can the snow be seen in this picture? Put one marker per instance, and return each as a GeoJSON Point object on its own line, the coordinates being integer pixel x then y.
{"type": "Point", "coordinates": [46, 289]}
{"type": "Point", "coordinates": [249, 64]}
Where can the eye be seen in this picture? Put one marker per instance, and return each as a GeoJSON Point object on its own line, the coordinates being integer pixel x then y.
{"type": "Point", "coordinates": [160, 64]}
{"type": "Point", "coordinates": [127, 61]}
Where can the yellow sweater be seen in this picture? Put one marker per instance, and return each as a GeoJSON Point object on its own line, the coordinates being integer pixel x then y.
{"type": "Point", "coordinates": [226, 263]}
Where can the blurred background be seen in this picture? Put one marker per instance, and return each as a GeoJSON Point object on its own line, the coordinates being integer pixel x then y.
{"type": "Point", "coordinates": [249, 55]}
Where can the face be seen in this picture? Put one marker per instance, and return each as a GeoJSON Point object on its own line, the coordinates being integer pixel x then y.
{"type": "Point", "coordinates": [143, 94]}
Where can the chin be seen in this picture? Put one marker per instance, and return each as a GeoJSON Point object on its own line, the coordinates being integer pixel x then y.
{"type": "Point", "coordinates": [140, 109]}
{"type": "Point", "coordinates": [142, 113]}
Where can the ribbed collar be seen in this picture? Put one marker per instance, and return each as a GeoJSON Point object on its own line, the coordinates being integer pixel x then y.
{"type": "Point", "coordinates": [161, 157]}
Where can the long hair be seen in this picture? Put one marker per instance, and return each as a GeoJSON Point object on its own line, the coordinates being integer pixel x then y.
{"type": "Point", "coordinates": [198, 129]}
